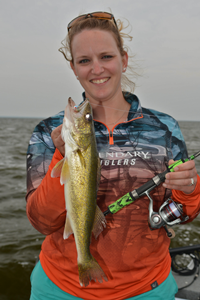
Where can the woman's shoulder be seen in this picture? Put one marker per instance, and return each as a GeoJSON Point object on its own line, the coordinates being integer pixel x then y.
{"type": "Point", "coordinates": [152, 115]}
{"type": "Point", "coordinates": [160, 117]}
{"type": "Point", "coordinates": [42, 132]}
{"type": "Point", "coordinates": [49, 124]}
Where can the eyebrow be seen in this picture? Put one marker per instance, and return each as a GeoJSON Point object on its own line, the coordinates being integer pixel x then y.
{"type": "Point", "coordinates": [82, 56]}
{"type": "Point", "coordinates": [102, 53]}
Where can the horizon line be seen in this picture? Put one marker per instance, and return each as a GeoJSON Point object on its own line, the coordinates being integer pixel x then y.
{"type": "Point", "coordinates": [43, 118]}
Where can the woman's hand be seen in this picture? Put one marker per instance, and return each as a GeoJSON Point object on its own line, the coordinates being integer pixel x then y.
{"type": "Point", "coordinates": [185, 174]}
{"type": "Point", "coordinates": [57, 139]}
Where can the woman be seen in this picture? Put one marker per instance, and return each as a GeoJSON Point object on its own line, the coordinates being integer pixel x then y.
{"type": "Point", "coordinates": [134, 144]}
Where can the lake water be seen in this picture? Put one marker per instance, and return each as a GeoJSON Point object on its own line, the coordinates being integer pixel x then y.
{"type": "Point", "coordinates": [19, 242]}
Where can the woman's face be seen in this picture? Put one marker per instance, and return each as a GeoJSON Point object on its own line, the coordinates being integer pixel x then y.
{"type": "Point", "coordinates": [98, 64]}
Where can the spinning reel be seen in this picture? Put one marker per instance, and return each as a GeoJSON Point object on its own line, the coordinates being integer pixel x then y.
{"type": "Point", "coordinates": [170, 213]}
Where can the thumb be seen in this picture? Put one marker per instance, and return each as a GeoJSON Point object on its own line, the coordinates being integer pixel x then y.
{"type": "Point", "coordinates": [171, 161]}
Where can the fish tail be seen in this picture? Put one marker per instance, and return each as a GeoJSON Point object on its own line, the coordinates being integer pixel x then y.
{"type": "Point", "coordinates": [90, 271]}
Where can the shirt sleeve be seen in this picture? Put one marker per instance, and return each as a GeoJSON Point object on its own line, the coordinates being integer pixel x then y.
{"type": "Point", "coordinates": [191, 202]}
{"type": "Point", "coordinates": [46, 205]}
{"type": "Point", "coordinates": [45, 195]}
{"type": "Point", "coordinates": [39, 155]}
{"type": "Point", "coordinates": [178, 146]}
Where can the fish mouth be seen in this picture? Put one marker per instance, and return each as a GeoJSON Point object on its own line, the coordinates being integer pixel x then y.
{"type": "Point", "coordinates": [71, 102]}
{"type": "Point", "coordinates": [77, 122]}
{"type": "Point", "coordinates": [83, 109]}
{"type": "Point", "coordinates": [80, 107]}
{"type": "Point", "coordinates": [75, 113]}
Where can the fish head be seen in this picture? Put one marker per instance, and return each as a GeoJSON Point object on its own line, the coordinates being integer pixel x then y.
{"type": "Point", "coordinates": [79, 123]}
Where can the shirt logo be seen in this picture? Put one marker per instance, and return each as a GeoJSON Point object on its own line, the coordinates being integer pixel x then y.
{"type": "Point", "coordinates": [154, 285]}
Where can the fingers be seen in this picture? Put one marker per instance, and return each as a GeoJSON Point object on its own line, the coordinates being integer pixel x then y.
{"type": "Point", "coordinates": [56, 132]}
{"type": "Point", "coordinates": [57, 139]}
{"type": "Point", "coordinates": [183, 178]}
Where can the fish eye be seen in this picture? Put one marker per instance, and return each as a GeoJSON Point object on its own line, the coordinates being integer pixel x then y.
{"type": "Point", "coordinates": [88, 117]}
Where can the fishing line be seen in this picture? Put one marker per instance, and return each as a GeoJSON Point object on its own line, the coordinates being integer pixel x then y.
{"type": "Point", "coordinates": [105, 106]}
{"type": "Point", "coordinates": [123, 110]}
{"type": "Point", "coordinates": [109, 107]}
{"type": "Point", "coordinates": [132, 111]}
{"type": "Point", "coordinates": [76, 108]}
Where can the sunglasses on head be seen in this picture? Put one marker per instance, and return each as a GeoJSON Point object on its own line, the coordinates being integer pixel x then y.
{"type": "Point", "coordinates": [97, 15]}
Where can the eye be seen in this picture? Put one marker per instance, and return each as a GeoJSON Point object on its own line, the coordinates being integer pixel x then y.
{"type": "Point", "coordinates": [107, 56]}
{"type": "Point", "coordinates": [88, 117]}
{"type": "Point", "coordinates": [84, 61]}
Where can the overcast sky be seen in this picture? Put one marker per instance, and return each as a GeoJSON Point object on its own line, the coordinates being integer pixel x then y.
{"type": "Point", "coordinates": [36, 81]}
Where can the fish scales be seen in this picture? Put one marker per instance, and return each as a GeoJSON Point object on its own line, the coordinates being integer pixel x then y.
{"type": "Point", "coordinates": [80, 173]}
{"type": "Point", "coordinates": [81, 186]}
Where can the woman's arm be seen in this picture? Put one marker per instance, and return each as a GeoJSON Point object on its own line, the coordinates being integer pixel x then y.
{"type": "Point", "coordinates": [180, 180]}
{"type": "Point", "coordinates": [45, 196]}
{"type": "Point", "coordinates": [182, 190]}
{"type": "Point", "coordinates": [46, 205]}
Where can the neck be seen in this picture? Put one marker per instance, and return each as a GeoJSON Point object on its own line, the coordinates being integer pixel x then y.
{"type": "Point", "coordinates": [111, 112]}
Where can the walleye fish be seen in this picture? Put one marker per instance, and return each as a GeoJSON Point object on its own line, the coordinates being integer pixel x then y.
{"type": "Point", "coordinates": [79, 171]}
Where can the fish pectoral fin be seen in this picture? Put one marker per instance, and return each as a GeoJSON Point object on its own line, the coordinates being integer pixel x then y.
{"type": "Point", "coordinates": [81, 158]}
{"type": "Point", "coordinates": [65, 172]}
{"type": "Point", "coordinates": [98, 172]}
{"type": "Point", "coordinates": [56, 171]}
{"type": "Point", "coordinates": [67, 229]}
{"type": "Point", "coordinates": [99, 222]}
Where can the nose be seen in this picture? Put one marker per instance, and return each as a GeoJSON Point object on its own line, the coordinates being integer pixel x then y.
{"type": "Point", "coordinates": [97, 67]}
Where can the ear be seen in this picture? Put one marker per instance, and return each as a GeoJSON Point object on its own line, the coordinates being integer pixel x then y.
{"type": "Point", "coordinates": [125, 60]}
{"type": "Point", "coordinates": [72, 67]}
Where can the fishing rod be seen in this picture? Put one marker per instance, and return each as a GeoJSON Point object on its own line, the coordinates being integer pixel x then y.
{"type": "Point", "coordinates": [170, 212]}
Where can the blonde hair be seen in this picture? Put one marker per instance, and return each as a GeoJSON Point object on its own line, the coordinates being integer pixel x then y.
{"type": "Point", "coordinates": [107, 25]}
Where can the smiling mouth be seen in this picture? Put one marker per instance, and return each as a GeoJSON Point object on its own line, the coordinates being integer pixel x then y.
{"type": "Point", "coordinates": [98, 81]}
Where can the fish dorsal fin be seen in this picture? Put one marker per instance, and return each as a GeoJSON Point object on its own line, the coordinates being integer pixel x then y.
{"type": "Point", "coordinates": [99, 222]}
{"type": "Point", "coordinates": [56, 171]}
{"type": "Point", "coordinates": [65, 172]}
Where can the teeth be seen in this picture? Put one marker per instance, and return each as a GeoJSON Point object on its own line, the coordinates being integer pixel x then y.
{"type": "Point", "coordinates": [100, 80]}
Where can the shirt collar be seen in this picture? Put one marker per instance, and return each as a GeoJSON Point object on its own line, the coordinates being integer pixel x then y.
{"type": "Point", "coordinates": [136, 108]}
